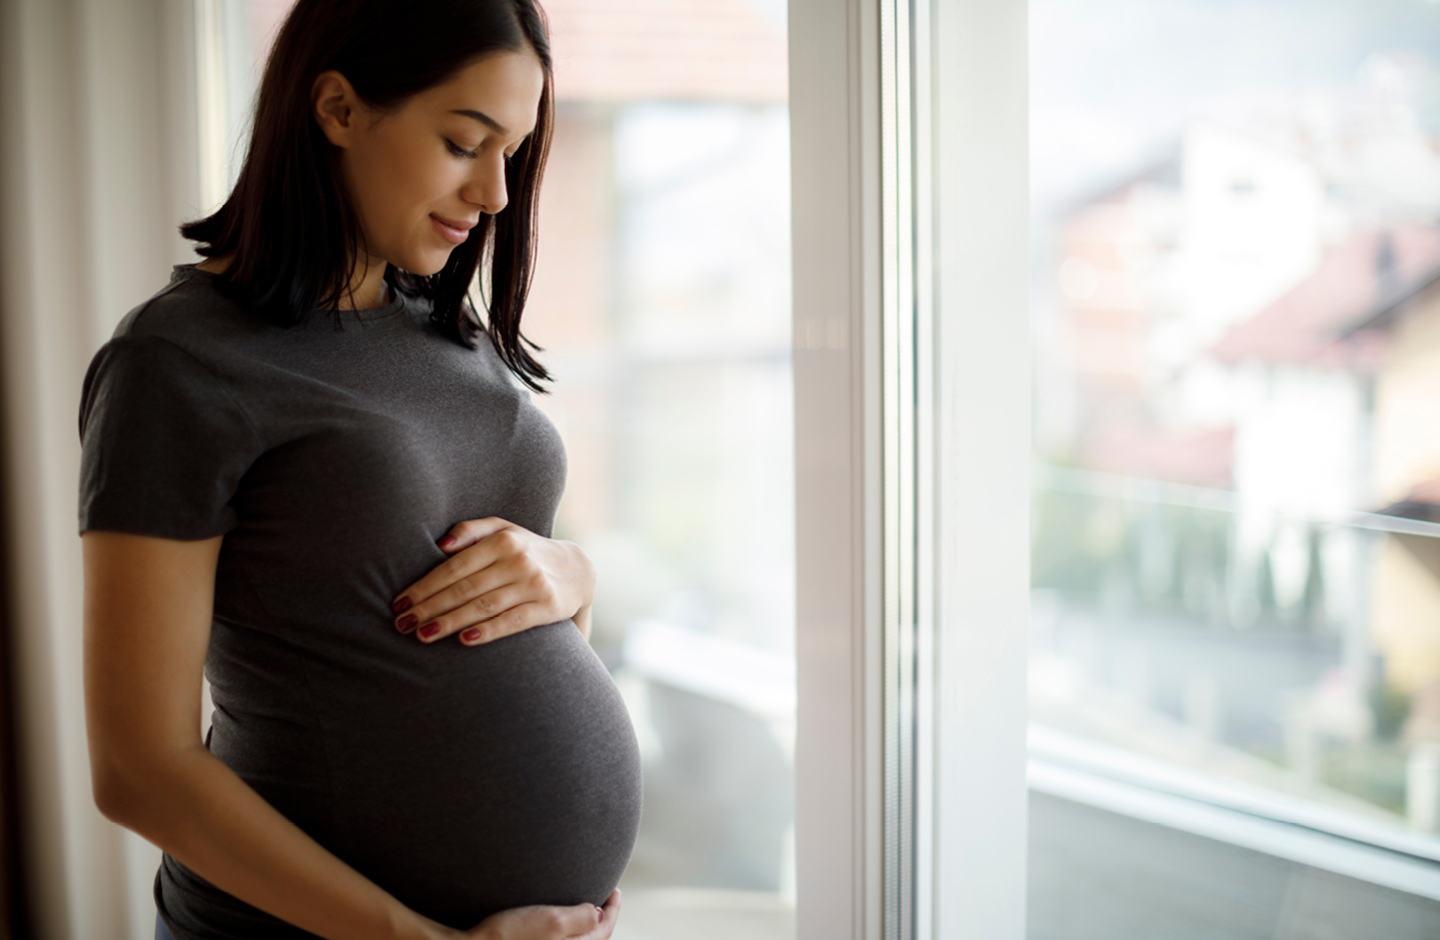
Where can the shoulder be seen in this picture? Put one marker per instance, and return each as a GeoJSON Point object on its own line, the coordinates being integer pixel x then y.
{"type": "Point", "coordinates": [185, 343]}
{"type": "Point", "coordinates": [190, 313]}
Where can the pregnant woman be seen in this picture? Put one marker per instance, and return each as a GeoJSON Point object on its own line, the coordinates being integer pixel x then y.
{"type": "Point", "coordinates": [311, 470]}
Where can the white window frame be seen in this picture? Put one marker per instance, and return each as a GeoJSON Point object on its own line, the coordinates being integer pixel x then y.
{"type": "Point", "coordinates": [962, 864]}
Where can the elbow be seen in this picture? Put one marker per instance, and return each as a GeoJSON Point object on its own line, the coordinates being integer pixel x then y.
{"type": "Point", "coordinates": [112, 792]}
{"type": "Point", "coordinates": [134, 783]}
{"type": "Point", "coordinates": [139, 793]}
{"type": "Point", "coordinates": [127, 794]}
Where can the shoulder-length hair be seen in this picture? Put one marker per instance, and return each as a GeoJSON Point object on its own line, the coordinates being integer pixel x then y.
{"type": "Point", "coordinates": [288, 221]}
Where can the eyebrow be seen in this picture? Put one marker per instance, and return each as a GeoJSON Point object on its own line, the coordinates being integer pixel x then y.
{"type": "Point", "coordinates": [485, 119]}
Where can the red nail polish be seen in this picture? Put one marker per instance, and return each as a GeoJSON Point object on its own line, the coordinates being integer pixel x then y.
{"type": "Point", "coordinates": [470, 636]}
{"type": "Point", "coordinates": [406, 623]}
{"type": "Point", "coordinates": [429, 630]}
{"type": "Point", "coordinates": [402, 605]}
{"type": "Point", "coordinates": [447, 541]}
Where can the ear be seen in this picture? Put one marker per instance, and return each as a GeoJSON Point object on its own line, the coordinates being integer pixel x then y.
{"type": "Point", "coordinates": [335, 106]}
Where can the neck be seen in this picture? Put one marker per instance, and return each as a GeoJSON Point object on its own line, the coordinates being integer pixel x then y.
{"type": "Point", "coordinates": [367, 288]}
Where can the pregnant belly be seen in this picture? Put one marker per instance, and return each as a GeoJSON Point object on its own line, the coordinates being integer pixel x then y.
{"type": "Point", "coordinates": [471, 780]}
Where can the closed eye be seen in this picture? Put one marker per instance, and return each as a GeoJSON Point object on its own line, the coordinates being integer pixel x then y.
{"type": "Point", "coordinates": [460, 151]}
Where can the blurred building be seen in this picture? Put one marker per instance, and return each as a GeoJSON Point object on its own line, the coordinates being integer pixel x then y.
{"type": "Point", "coordinates": [1243, 334]}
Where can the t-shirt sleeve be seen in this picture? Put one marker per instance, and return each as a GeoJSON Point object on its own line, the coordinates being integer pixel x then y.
{"type": "Point", "coordinates": [163, 443]}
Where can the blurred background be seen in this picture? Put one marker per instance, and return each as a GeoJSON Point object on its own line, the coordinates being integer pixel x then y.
{"type": "Point", "coordinates": [1236, 542]}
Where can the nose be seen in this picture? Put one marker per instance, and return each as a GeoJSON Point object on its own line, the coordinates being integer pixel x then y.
{"type": "Point", "coordinates": [485, 187]}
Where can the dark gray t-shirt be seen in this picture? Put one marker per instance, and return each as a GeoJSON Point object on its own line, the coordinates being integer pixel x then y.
{"type": "Point", "coordinates": [462, 780]}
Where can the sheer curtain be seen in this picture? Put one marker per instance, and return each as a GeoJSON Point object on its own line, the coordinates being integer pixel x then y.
{"type": "Point", "coordinates": [98, 164]}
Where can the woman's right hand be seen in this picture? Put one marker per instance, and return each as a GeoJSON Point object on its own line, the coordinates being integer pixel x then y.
{"type": "Point", "coordinates": [540, 922]}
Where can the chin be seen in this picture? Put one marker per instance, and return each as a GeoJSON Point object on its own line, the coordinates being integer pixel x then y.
{"type": "Point", "coordinates": [426, 264]}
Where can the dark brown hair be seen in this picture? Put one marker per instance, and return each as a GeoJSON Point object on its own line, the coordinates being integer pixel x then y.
{"type": "Point", "coordinates": [288, 222]}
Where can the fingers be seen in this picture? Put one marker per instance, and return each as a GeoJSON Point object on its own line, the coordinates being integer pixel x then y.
{"type": "Point", "coordinates": [495, 587]}
{"type": "Point", "coordinates": [584, 919]}
{"type": "Point", "coordinates": [540, 923]}
{"type": "Point", "coordinates": [510, 595]}
{"type": "Point", "coordinates": [503, 580]}
{"type": "Point", "coordinates": [462, 563]}
{"type": "Point", "coordinates": [478, 596]}
{"type": "Point", "coordinates": [494, 606]}
{"type": "Point", "coordinates": [514, 620]}
{"type": "Point", "coordinates": [464, 534]}
{"type": "Point", "coordinates": [609, 915]}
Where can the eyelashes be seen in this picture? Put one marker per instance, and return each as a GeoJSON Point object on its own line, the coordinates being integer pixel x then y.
{"type": "Point", "coordinates": [459, 151]}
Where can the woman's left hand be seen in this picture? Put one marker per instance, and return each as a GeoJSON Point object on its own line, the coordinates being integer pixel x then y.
{"type": "Point", "coordinates": [500, 579]}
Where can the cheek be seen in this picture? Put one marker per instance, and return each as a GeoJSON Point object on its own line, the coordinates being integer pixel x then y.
{"type": "Point", "coordinates": [405, 182]}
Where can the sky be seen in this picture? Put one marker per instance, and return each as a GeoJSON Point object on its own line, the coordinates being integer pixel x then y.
{"type": "Point", "coordinates": [1114, 81]}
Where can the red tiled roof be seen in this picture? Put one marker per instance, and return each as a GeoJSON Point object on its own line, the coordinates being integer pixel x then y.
{"type": "Point", "coordinates": [1421, 502]}
{"type": "Point", "coordinates": [1309, 323]}
{"type": "Point", "coordinates": [674, 50]}
{"type": "Point", "coordinates": [1427, 492]}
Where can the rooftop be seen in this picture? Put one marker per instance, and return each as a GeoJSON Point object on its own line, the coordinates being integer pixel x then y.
{"type": "Point", "coordinates": [1332, 318]}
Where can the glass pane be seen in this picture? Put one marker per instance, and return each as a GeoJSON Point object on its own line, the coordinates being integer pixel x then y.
{"type": "Point", "coordinates": [661, 300]}
{"type": "Point", "coordinates": [1236, 568]}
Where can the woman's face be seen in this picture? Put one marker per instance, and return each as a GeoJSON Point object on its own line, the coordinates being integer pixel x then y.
{"type": "Point", "coordinates": [419, 177]}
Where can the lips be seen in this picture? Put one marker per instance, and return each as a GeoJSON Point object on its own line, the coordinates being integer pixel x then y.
{"type": "Point", "coordinates": [452, 230]}
{"type": "Point", "coordinates": [461, 226]}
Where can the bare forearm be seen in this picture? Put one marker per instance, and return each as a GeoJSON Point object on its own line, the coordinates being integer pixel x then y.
{"type": "Point", "coordinates": [199, 811]}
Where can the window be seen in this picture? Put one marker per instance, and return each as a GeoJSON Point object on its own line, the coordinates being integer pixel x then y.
{"type": "Point", "coordinates": [1235, 580]}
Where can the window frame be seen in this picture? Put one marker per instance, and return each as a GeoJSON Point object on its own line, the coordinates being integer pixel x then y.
{"type": "Point", "coordinates": [955, 75]}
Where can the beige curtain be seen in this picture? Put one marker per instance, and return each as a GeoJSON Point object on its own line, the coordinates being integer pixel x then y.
{"type": "Point", "coordinates": [97, 165]}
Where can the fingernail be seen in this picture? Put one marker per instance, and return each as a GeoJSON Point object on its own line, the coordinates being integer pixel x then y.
{"type": "Point", "coordinates": [429, 630]}
{"type": "Point", "coordinates": [406, 623]}
{"type": "Point", "coordinates": [600, 911]}
{"type": "Point", "coordinates": [447, 541]}
{"type": "Point", "coordinates": [402, 605]}
{"type": "Point", "coordinates": [471, 635]}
